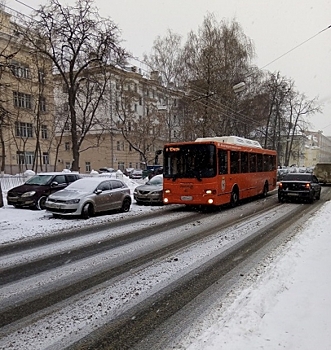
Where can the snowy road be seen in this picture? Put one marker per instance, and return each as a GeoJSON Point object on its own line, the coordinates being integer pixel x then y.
{"type": "Point", "coordinates": [79, 288]}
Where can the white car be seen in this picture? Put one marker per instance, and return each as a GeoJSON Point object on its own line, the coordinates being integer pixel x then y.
{"type": "Point", "coordinates": [89, 196]}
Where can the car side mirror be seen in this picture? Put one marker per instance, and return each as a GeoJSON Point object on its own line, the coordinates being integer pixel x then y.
{"type": "Point", "coordinates": [98, 191]}
{"type": "Point", "coordinates": [54, 184]}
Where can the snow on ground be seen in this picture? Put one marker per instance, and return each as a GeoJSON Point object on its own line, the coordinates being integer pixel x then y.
{"type": "Point", "coordinates": [287, 306]}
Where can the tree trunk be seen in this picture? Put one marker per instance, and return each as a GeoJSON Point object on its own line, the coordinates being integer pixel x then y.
{"type": "Point", "coordinates": [1, 197]}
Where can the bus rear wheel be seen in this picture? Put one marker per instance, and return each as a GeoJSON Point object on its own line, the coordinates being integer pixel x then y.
{"type": "Point", "coordinates": [234, 198]}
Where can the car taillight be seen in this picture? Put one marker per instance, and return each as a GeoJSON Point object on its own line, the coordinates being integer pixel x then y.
{"type": "Point", "coordinates": [280, 185]}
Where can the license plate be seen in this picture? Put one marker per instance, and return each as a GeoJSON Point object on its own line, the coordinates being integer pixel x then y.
{"type": "Point", "coordinates": [293, 194]}
{"type": "Point", "coordinates": [186, 198]}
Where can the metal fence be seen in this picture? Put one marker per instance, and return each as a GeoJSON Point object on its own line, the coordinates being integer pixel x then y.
{"type": "Point", "coordinates": [9, 181]}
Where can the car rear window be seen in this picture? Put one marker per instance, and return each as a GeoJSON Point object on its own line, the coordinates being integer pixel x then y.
{"type": "Point", "coordinates": [297, 177]}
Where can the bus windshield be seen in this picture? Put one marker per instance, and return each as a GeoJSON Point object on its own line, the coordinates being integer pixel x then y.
{"type": "Point", "coordinates": [190, 161]}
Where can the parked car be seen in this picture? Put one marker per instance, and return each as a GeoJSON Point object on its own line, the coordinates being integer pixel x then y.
{"type": "Point", "coordinates": [150, 192]}
{"type": "Point", "coordinates": [34, 191]}
{"type": "Point", "coordinates": [107, 170]}
{"type": "Point", "coordinates": [89, 196]}
{"type": "Point", "coordinates": [128, 171]}
{"type": "Point", "coordinates": [297, 186]}
{"type": "Point", "coordinates": [281, 172]}
{"type": "Point", "coordinates": [136, 174]}
{"type": "Point", "coordinates": [323, 172]}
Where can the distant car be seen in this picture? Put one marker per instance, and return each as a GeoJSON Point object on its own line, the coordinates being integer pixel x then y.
{"type": "Point", "coordinates": [128, 171]}
{"type": "Point", "coordinates": [281, 173]}
{"type": "Point", "coordinates": [150, 192]}
{"type": "Point", "coordinates": [107, 170]}
{"type": "Point", "coordinates": [136, 174]}
{"type": "Point", "coordinates": [299, 186]}
{"type": "Point", "coordinates": [34, 191]}
{"type": "Point", "coordinates": [89, 196]}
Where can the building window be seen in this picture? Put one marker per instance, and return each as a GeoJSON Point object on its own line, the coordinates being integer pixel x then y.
{"type": "Point", "coordinates": [23, 129]}
{"type": "Point", "coordinates": [88, 167]}
{"type": "Point", "coordinates": [41, 76]}
{"type": "Point", "coordinates": [45, 158]}
{"type": "Point", "coordinates": [21, 70]}
{"type": "Point", "coordinates": [121, 166]}
{"type": "Point", "coordinates": [25, 157]}
{"type": "Point", "coordinates": [44, 132]}
{"type": "Point", "coordinates": [66, 126]}
{"type": "Point", "coordinates": [67, 146]}
{"type": "Point", "coordinates": [42, 104]}
{"type": "Point", "coordinates": [22, 100]}
{"type": "Point", "coordinates": [120, 145]}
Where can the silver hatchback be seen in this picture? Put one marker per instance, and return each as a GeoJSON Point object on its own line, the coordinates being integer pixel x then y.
{"type": "Point", "coordinates": [89, 196]}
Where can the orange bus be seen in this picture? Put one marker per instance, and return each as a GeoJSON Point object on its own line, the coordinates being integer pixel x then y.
{"type": "Point", "coordinates": [217, 170]}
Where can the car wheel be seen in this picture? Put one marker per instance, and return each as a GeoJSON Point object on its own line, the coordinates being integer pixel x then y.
{"type": "Point", "coordinates": [318, 195]}
{"type": "Point", "coordinates": [87, 211]}
{"type": "Point", "coordinates": [234, 198]}
{"type": "Point", "coordinates": [125, 205]}
{"type": "Point", "coordinates": [281, 199]}
{"type": "Point", "coordinates": [41, 204]}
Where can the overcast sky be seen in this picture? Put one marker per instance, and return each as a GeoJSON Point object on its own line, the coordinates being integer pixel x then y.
{"type": "Point", "coordinates": [275, 26]}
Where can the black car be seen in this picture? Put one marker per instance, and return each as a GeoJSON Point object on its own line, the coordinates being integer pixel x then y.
{"type": "Point", "coordinates": [34, 192]}
{"type": "Point", "coordinates": [299, 186]}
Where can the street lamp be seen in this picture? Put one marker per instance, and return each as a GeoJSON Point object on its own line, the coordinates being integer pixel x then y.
{"type": "Point", "coordinates": [239, 87]}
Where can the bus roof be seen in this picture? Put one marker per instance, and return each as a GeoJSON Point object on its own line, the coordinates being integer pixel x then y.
{"type": "Point", "coordinates": [236, 140]}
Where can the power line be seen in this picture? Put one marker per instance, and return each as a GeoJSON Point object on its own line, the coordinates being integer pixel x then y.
{"type": "Point", "coordinates": [296, 47]}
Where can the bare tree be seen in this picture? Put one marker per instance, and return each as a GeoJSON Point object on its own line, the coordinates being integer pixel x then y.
{"type": "Point", "coordinates": [215, 59]}
{"type": "Point", "coordinates": [166, 58]}
{"type": "Point", "coordinates": [77, 40]}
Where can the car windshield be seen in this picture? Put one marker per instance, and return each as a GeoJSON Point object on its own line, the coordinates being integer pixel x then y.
{"type": "Point", "coordinates": [39, 180]}
{"type": "Point", "coordinates": [83, 185]}
{"type": "Point", "coordinates": [297, 177]}
{"type": "Point", "coordinates": [156, 180]}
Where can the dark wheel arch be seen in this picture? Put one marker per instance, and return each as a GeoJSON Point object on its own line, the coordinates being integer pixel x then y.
{"type": "Point", "coordinates": [41, 203]}
{"type": "Point", "coordinates": [234, 200]}
{"type": "Point", "coordinates": [87, 211]}
{"type": "Point", "coordinates": [265, 189]}
{"type": "Point", "coordinates": [125, 205]}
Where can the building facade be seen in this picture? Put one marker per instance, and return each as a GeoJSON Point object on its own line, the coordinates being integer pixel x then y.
{"type": "Point", "coordinates": [26, 104]}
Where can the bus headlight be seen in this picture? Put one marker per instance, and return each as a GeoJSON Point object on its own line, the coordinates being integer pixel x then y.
{"type": "Point", "coordinates": [210, 191]}
{"type": "Point", "coordinates": [167, 191]}
{"type": "Point", "coordinates": [165, 200]}
{"type": "Point", "coordinates": [210, 201]}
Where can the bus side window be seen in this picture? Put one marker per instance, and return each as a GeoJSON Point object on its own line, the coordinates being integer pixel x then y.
{"type": "Point", "coordinates": [234, 162]}
{"type": "Point", "coordinates": [252, 162]}
{"type": "Point", "coordinates": [223, 161]}
{"type": "Point", "coordinates": [259, 162]}
{"type": "Point", "coordinates": [268, 162]}
{"type": "Point", "coordinates": [244, 162]}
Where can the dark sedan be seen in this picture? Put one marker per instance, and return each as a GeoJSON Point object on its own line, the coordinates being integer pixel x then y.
{"type": "Point", "coordinates": [33, 192]}
{"type": "Point", "coordinates": [299, 186]}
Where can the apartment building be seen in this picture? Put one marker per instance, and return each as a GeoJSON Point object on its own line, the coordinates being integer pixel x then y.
{"type": "Point", "coordinates": [135, 117]}
{"type": "Point", "coordinates": [26, 104]}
